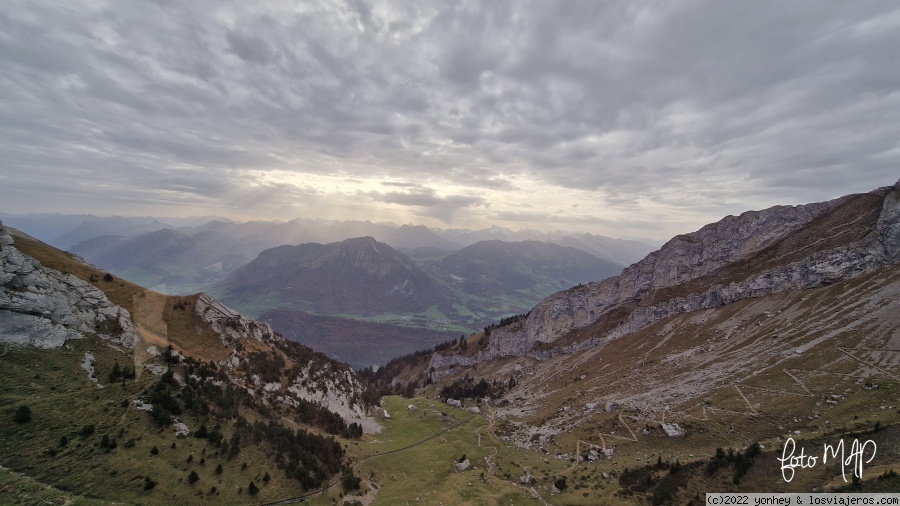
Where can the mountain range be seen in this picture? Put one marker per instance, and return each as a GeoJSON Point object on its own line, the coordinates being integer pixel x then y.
{"type": "Point", "coordinates": [218, 246]}
{"type": "Point", "coordinates": [692, 370]}
{"type": "Point", "coordinates": [364, 279]}
{"type": "Point", "coordinates": [145, 390]}
{"type": "Point", "coordinates": [770, 325]}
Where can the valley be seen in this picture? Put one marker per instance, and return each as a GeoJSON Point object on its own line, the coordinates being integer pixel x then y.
{"type": "Point", "coordinates": [693, 370]}
{"type": "Point", "coordinates": [388, 253]}
{"type": "Point", "coordinates": [456, 281]}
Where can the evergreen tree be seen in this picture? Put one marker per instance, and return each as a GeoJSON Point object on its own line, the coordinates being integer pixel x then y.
{"type": "Point", "coordinates": [23, 414]}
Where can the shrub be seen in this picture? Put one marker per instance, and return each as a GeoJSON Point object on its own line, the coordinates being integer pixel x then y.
{"type": "Point", "coordinates": [23, 414]}
{"type": "Point", "coordinates": [108, 442]}
{"type": "Point", "coordinates": [349, 482]}
{"type": "Point", "coordinates": [252, 489]}
{"type": "Point", "coordinates": [193, 477]}
{"type": "Point", "coordinates": [560, 483]}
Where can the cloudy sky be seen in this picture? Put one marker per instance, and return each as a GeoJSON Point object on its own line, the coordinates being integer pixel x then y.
{"type": "Point", "coordinates": [620, 118]}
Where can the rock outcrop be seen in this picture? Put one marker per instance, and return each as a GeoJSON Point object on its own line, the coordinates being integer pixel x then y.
{"type": "Point", "coordinates": [320, 381]}
{"type": "Point", "coordinates": [44, 307]}
{"type": "Point", "coordinates": [229, 324]}
{"type": "Point", "coordinates": [751, 255]}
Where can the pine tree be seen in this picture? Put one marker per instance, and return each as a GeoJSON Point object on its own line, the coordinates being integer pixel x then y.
{"type": "Point", "coordinates": [23, 414]}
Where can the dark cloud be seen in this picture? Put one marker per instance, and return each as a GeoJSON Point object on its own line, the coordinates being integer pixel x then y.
{"type": "Point", "coordinates": [697, 107]}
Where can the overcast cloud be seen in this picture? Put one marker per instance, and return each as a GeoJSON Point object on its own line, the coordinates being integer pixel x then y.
{"type": "Point", "coordinates": [620, 118]}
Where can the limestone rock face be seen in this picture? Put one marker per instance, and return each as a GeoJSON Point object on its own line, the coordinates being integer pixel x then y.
{"type": "Point", "coordinates": [321, 382]}
{"type": "Point", "coordinates": [229, 324]}
{"type": "Point", "coordinates": [44, 307]}
{"type": "Point", "coordinates": [751, 255]}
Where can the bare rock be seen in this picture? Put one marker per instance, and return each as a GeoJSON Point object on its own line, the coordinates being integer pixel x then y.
{"type": "Point", "coordinates": [719, 264]}
{"type": "Point", "coordinates": [43, 307]}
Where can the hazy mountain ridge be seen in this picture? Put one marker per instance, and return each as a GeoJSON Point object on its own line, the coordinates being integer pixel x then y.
{"type": "Point", "coordinates": [358, 275]}
{"type": "Point", "coordinates": [493, 267]}
{"type": "Point", "coordinates": [621, 251]}
{"type": "Point", "coordinates": [367, 279]}
{"type": "Point", "coordinates": [219, 245]}
{"type": "Point", "coordinates": [164, 257]}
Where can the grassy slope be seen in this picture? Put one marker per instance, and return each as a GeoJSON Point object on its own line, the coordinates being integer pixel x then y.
{"type": "Point", "coordinates": [716, 359]}
{"type": "Point", "coordinates": [426, 471]}
{"type": "Point", "coordinates": [63, 400]}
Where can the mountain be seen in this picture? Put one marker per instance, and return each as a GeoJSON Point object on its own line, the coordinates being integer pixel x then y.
{"type": "Point", "coordinates": [622, 251]}
{"type": "Point", "coordinates": [771, 325]}
{"type": "Point", "coordinates": [185, 259]}
{"type": "Point", "coordinates": [163, 258]}
{"type": "Point", "coordinates": [492, 268]}
{"type": "Point", "coordinates": [389, 302]}
{"type": "Point", "coordinates": [755, 254]}
{"type": "Point", "coordinates": [65, 230]}
{"type": "Point", "coordinates": [356, 276]}
{"type": "Point", "coordinates": [219, 246]}
{"type": "Point", "coordinates": [152, 392]}
{"type": "Point", "coordinates": [693, 370]}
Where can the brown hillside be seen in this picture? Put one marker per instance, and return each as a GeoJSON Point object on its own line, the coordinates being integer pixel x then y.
{"type": "Point", "coordinates": [160, 320]}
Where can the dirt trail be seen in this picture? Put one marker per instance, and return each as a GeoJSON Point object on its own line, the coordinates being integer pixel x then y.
{"type": "Point", "coordinates": [149, 327]}
{"type": "Point", "coordinates": [489, 460]}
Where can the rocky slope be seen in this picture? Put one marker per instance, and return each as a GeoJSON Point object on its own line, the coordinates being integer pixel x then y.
{"type": "Point", "coordinates": [751, 255]}
{"type": "Point", "coordinates": [318, 380]}
{"type": "Point", "coordinates": [43, 307]}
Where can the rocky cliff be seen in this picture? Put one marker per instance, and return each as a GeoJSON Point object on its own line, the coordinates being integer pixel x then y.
{"type": "Point", "coordinates": [43, 307]}
{"type": "Point", "coordinates": [317, 379]}
{"type": "Point", "coordinates": [751, 255]}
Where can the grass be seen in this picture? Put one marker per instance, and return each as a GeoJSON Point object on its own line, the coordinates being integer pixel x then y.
{"type": "Point", "coordinates": [63, 400]}
{"type": "Point", "coordinates": [425, 474]}
{"type": "Point", "coordinates": [17, 488]}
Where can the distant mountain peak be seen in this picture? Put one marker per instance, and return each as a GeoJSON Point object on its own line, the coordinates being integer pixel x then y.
{"type": "Point", "coordinates": [359, 274]}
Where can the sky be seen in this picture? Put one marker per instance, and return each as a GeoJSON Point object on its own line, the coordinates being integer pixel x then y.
{"type": "Point", "coordinates": [627, 119]}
